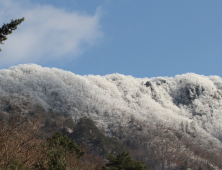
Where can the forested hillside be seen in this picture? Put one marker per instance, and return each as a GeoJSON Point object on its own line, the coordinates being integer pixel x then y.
{"type": "Point", "coordinates": [163, 121]}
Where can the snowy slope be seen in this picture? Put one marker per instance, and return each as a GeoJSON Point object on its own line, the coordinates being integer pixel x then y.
{"type": "Point", "coordinates": [189, 102]}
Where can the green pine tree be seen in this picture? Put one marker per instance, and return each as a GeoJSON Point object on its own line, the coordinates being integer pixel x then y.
{"type": "Point", "coordinates": [58, 140]}
{"type": "Point", "coordinates": [17, 165]}
{"type": "Point", "coordinates": [7, 29]}
{"type": "Point", "coordinates": [185, 166]}
{"type": "Point", "coordinates": [56, 150]}
{"type": "Point", "coordinates": [200, 168]}
{"type": "Point", "coordinates": [69, 123]}
{"type": "Point", "coordinates": [123, 161]}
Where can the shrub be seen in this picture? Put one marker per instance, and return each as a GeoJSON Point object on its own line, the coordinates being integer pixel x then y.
{"type": "Point", "coordinates": [123, 161]}
{"type": "Point", "coordinates": [56, 149]}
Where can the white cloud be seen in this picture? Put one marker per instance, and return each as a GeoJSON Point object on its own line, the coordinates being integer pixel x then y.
{"type": "Point", "coordinates": [46, 31]}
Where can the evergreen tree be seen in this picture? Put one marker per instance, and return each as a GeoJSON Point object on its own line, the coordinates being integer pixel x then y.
{"type": "Point", "coordinates": [200, 168]}
{"type": "Point", "coordinates": [7, 29]}
{"type": "Point", "coordinates": [185, 166]}
{"type": "Point", "coordinates": [56, 150]}
{"type": "Point", "coordinates": [47, 123]}
{"type": "Point", "coordinates": [69, 123]}
{"type": "Point", "coordinates": [58, 140]}
{"type": "Point", "coordinates": [16, 165]}
{"type": "Point", "coordinates": [123, 161]}
{"type": "Point", "coordinates": [87, 132]}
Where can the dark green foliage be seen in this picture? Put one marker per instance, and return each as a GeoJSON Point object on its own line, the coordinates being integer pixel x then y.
{"type": "Point", "coordinates": [123, 161]}
{"type": "Point", "coordinates": [55, 115]}
{"type": "Point", "coordinates": [56, 150]}
{"type": "Point", "coordinates": [86, 132]}
{"type": "Point", "coordinates": [16, 165]}
{"type": "Point", "coordinates": [56, 160]}
{"type": "Point", "coordinates": [39, 107]}
{"type": "Point", "coordinates": [7, 29]}
{"type": "Point", "coordinates": [50, 124]}
{"type": "Point", "coordinates": [2, 116]}
{"type": "Point", "coordinates": [58, 140]}
{"type": "Point", "coordinates": [69, 123]}
{"type": "Point", "coordinates": [179, 134]}
{"type": "Point", "coordinates": [141, 128]}
{"type": "Point", "coordinates": [50, 110]}
{"type": "Point", "coordinates": [47, 123]}
{"type": "Point", "coordinates": [54, 124]}
{"type": "Point", "coordinates": [32, 114]}
{"type": "Point", "coordinates": [9, 108]}
{"type": "Point", "coordinates": [200, 168]}
{"type": "Point", "coordinates": [185, 166]}
{"type": "Point", "coordinates": [132, 119]}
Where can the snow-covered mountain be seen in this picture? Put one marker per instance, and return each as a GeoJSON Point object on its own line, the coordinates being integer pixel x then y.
{"type": "Point", "coordinates": [189, 102]}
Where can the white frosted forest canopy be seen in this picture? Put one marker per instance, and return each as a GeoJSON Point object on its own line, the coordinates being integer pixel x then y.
{"type": "Point", "coordinates": [189, 102]}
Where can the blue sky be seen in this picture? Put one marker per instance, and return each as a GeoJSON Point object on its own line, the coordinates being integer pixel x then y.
{"type": "Point", "coordinates": [140, 38]}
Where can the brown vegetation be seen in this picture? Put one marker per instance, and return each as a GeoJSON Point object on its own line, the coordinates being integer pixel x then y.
{"type": "Point", "coordinates": [22, 145]}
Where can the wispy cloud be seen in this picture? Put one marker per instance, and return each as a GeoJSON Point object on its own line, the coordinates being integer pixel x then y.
{"type": "Point", "coordinates": [48, 33]}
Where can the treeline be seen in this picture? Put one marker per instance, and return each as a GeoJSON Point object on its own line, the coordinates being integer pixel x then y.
{"type": "Point", "coordinates": [22, 146]}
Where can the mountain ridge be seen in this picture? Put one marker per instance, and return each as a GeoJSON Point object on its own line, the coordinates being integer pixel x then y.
{"type": "Point", "coordinates": [189, 104]}
{"type": "Point", "coordinates": [115, 91]}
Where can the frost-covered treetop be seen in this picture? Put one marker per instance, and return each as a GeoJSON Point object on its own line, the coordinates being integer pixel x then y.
{"type": "Point", "coordinates": [189, 102]}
